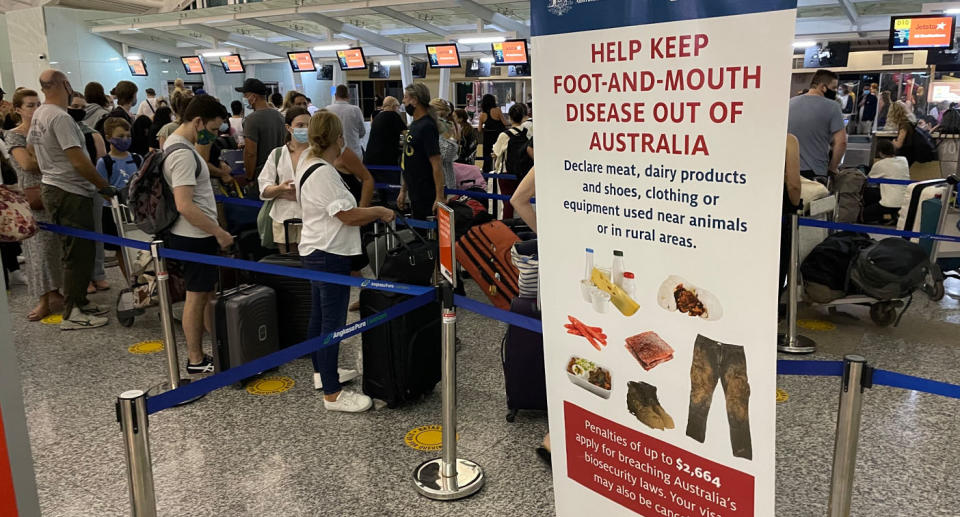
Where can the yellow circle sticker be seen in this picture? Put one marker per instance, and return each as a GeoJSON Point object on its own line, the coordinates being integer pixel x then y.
{"type": "Point", "coordinates": [426, 438]}
{"type": "Point", "coordinates": [816, 325]}
{"type": "Point", "coordinates": [53, 319]}
{"type": "Point", "coordinates": [270, 385]}
{"type": "Point", "coordinates": [146, 347]}
{"type": "Point", "coordinates": [782, 396]}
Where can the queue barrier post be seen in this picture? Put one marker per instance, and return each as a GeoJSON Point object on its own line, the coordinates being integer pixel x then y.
{"type": "Point", "coordinates": [857, 375]}
{"type": "Point", "coordinates": [166, 321]}
{"type": "Point", "coordinates": [131, 409]}
{"type": "Point", "coordinates": [792, 342]}
{"type": "Point", "coordinates": [448, 477]}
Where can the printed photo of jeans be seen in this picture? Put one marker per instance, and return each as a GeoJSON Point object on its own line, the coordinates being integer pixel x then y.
{"type": "Point", "coordinates": [714, 361]}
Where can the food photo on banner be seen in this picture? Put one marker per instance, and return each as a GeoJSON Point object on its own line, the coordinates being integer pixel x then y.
{"type": "Point", "coordinates": [662, 318]}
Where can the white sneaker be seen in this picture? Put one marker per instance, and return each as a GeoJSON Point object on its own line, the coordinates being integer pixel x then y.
{"type": "Point", "coordinates": [349, 402]}
{"type": "Point", "coordinates": [95, 309]}
{"type": "Point", "coordinates": [346, 375]}
{"type": "Point", "coordinates": [79, 320]}
{"type": "Point", "coordinates": [17, 278]}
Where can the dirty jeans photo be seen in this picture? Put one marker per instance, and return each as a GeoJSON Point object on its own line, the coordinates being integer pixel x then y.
{"type": "Point", "coordinates": [712, 361]}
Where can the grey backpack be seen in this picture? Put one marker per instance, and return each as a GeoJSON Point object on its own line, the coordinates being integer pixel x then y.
{"type": "Point", "coordinates": [891, 268]}
{"type": "Point", "coordinates": [848, 186]}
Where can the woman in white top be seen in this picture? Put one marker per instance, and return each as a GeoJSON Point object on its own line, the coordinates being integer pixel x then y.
{"type": "Point", "coordinates": [330, 237]}
{"type": "Point", "coordinates": [236, 122]}
{"type": "Point", "coordinates": [276, 179]}
{"type": "Point", "coordinates": [885, 208]}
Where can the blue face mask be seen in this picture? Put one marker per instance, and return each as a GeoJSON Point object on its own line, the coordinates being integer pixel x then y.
{"type": "Point", "coordinates": [224, 127]}
{"type": "Point", "coordinates": [122, 144]}
{"type": "Point", "coordinates": [300, 134]}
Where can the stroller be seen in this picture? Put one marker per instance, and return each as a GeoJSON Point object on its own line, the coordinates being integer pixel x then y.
{"type": "Point", "coordinates": [141, 291]}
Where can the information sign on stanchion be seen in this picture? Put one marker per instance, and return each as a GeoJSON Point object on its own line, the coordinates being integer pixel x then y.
{"type": "Point", "coordinates": [659, 245]}
{"type": "Point", "coordinates": [448, 477]}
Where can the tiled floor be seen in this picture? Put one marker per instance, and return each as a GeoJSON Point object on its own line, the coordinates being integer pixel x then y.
{"type": "Point", "coordinates": [236, 454]}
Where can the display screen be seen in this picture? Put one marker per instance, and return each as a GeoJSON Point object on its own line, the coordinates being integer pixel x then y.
{"type": "Point", "coordinates": [378, 71]}
{"type": "Point", "coordinates": [232, 64]}
{"type": "Point", "coordinates": [419, 70]}
{"type": "Point", "coordinates": [351, 59]}
{"type": "Point", "coordinates": [476, 68]}
{"type": "Point", "coordinates": [831, 55]}
{"type": "Point", "coordinates": [325, 73]}
{"type": "Point", "coordinates": [921, 32]}
{"type": "Point", "coordinates": [192, 65]}
{"type": "Point", "coordinates": [511, 52]}
{"type": "Point", "coordinates": [518, 71]}
{"type": "Point", "coordinates": [301, 62]}
{"type": "Point", "coordinates": [443, 56]}
{"type": "Point", "coordinates": [137, 67]}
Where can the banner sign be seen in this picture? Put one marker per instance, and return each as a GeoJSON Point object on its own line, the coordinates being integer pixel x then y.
{"type": "Point", "coordinates": [446, 232]}
{"type": "Point", "coordinates": [660, 146]}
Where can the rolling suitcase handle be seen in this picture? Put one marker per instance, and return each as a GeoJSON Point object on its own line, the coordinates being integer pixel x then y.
{"type": "Point", "coordinates": [286, 231]}
{"type": "Point", "coordinates": [396, 237]}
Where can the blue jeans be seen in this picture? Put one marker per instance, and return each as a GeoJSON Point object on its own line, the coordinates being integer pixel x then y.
{"type": "Point", "coordinates": [328, 313]}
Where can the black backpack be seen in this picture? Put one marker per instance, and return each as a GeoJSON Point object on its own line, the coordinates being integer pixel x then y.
{"type": "Point", "coordinates": [924, 148]}
{"type": "Point", "coordinates": [518, 161]}
{"type": "Point", "coordinates": [892, 268]}
{"type": "Point", "coordinates": [828, 264]}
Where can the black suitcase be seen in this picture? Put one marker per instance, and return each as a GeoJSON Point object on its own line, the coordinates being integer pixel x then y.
{"type": "Point", "coordinates": [294, 303]}
{"type": "Point", "coordinates": [245, 324]}
{"type": "Point", "coordinates": [522, 355]}
{"type": "Point", "coordinates": [401, 358]}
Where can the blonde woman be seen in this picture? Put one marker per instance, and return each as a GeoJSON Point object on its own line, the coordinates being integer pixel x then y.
{"type": "Point", "coordinates": [329, 238]}
{"type": "Point", "coordinates": [449, 140]}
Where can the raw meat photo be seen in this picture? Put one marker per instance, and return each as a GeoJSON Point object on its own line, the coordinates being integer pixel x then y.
{"type": "Point", "coordinates": [649, 349]}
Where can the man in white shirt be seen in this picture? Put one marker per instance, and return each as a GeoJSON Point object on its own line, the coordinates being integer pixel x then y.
{"type": "Point", "coordinates": [886, 209]}
{"type": "Point", "coordinates": [351, 117]}
{"type": "Point", "coordinates": [149, 105]}
{"type": "Point", "coordinates": [196, 229]}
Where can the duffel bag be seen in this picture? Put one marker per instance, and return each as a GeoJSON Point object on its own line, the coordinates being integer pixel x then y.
{"type": "Point", "coordinates": [892, 268]}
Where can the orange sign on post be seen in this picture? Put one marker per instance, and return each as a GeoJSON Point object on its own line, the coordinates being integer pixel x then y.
{"type": "Point", "coordinates": [446, 236]}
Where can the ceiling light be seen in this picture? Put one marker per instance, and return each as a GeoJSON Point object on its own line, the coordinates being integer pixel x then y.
{"type": "Point", "coordinates": [134, 56]}
{"type": "Point", "coordinates": [331, 47]}
{"type": "Point", "coordinates": [487, 60]}
{"type": "Point", "coordinates": [166, 71]}
{"type": "Point", "coordinates": [114, 59]}
{"type": "Point", "coordinates": [481, 39]}
{"type": "Point", "coordinates": [215, 53]}
{"type": "Point", "coordinates": [390, 63]}
{"type": "Point", "coordinates": [54, 62]}
{"type": "Point", "coordinates": [803, 44]}
{"type": "Point", "coordinates": [952, 11]}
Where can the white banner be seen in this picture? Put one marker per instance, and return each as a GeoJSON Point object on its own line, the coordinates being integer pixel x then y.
{"type": "Point", "coordinates": [660, 140]}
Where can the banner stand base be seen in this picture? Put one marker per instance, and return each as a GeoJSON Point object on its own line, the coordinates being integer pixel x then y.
{"type": "Point", "coordinates": [431, 484]}
{"type": "Point", "coordinates": [802, 345]}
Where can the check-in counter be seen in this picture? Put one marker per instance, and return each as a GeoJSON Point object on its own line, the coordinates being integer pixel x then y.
{"type": "Point", "coordinates": [948, 148]}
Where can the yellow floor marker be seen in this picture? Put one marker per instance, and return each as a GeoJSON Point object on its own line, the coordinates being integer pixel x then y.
{"type": "Point", "coordinates": [426, 438]}
{"type": "Point", "coordinates": [270, 385]}
{"type": "Point", "coordinates": [782, 396]}
{"type": "Point", "coordinates": [146, 347]}
{"type": "Point", "coordinates": [816, 325]}
{"type": "Point", "coordinates": [53, 319]}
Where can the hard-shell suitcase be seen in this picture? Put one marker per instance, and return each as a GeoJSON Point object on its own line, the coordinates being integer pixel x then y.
{"type": "Point", "coordinates": [484, 252]}
{"type": "Point", "coordinates": [401, 358]}
{"type": "Point", "coordinates": [293, 304]}
{"type": "Point", "coordinates": [245, 325]}
{"type": "Point", "coordinates": [521, 353]}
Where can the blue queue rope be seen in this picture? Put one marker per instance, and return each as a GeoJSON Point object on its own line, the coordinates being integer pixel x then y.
{"type": "Point", "coordinates": [909, 382]}
{"type": "Point", "coordinates": [254, 203]}
{"type": "Point", "coordinates": [94, 236]}
{"type": "Point", "coordinates": [888, 181]}
{"type": "Point", "coordinates": [863, 228]}
{"type": "Point", "coordinates": [518, 320]}
{"type": "Point", "coordinates": [818, 368]}
{"type": "Point", "coordinates": [386, 168]}
{"type": "Point", "coordinates": [233, 375]}
{"type": "Point", "coordinates": [413, 223]}
{"type": "Point", "coordinates": [497, 175]}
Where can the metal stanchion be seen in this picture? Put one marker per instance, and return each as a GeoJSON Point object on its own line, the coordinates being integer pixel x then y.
{"type": "Point", "coordinates": [448, 478]}
{"type": "Point", "coordinates": [792, 342]}
{"type": "Point", "coordinates": [166, 321]}
{"type": "Point", "coordinates": [132, 415]}
{"type": "Point", "coordinates": [857, 375]}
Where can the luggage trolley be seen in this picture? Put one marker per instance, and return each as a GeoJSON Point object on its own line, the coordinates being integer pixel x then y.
{"type": "Point", "coordinates": [941, 216]}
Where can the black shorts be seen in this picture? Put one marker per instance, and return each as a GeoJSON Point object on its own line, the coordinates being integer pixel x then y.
{"type": "Point", "coordinates": [198, 278]}
{"type": "Point", "coordinates": [109, 227]}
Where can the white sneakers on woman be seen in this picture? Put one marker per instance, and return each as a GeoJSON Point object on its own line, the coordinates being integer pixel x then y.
{"type": "Point", "coordinates": [349, 402]}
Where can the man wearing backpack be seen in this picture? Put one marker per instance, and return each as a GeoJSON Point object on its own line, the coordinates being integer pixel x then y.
{"type": "Point", "coordinates": [512, 150]}
{"type": "Point", "coordinates": [70, 182]}
{"type": "Point", "coordinates": [196, 229]}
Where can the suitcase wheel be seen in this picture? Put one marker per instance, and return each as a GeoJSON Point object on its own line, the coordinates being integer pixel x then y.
{"type": "Point", "coordinates": [512, 415]}
{"type": "Point", "coordinates": [126, 322]}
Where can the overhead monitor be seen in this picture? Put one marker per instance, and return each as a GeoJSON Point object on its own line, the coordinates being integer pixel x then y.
{"type": "Point", "coordinates": [922, 32]}
{"type": "Point", "coordinates": [830, 55]}
{"type": "Point", "coordinates": [325, 73]}
{"type": "Point", "coordinates": [378, 71]}
{"type": "Point", "coordinates": [419, 69]}
{"type": "Point", "coordinates": [518, 71]}
{"type": "Point", "coordinates": [193, 65]}
{"type": "Point", "coordinates": [137, 67]}
{"type": "Point", "coordinates": [301, 61]}
{"type": "Point", "coordinates": [443, 56]}
{"type": "Point", "coordinates": [351, 59]}
{"type": "Point", "coordinates": [511, 52]}
{"type": "Point", "coordinates": [476, 68]}
{"type": "Point", "coordinates": [232, 64]}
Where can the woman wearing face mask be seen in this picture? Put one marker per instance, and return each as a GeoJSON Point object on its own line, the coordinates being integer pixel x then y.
{"type": "Point", "coordinates": [96, 149]}
{"type": "Point", "coordinates": [42, 251]}
{"type": "Point", "coordinates": [276, 178]}
{"type": "Point", "coordinates": [330, 237]}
